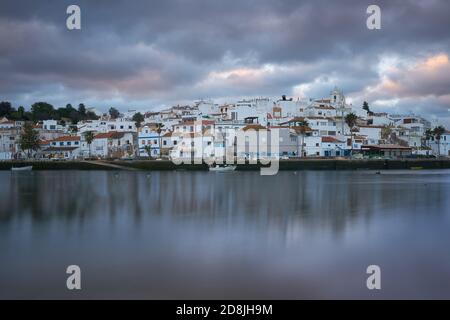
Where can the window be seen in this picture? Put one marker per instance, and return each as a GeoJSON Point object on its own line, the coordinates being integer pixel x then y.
{"type": "Point", "coordinates": [164, 142]}
{"type": "Point", "coordinates": [121, 127]}
{"type": "Point", "coordinates": [143, 142]}
{"type": "Point", "coordinates": [175, 143]}
{"type": "Point", "coordinates": [317, 154]}
{"type": "Point", "coordinates": [69, 143]}
{"type": "Point", "coordinates": [149, 142]}
{"type": "Point", "coordinates": [130, 127]}
{"type": "Point", "coordinates": [61, 143]}
{"type": "Point", "coordinates": [317, 144]}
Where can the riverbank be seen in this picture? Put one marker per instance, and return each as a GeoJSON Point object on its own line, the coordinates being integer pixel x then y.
{"type": "Point", "coordinates": [297, 164]}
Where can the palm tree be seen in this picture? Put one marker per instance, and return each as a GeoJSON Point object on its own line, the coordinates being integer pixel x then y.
{"type": "Point", "coordinates": [350, 120]}
{"type": "Point", "coordinates": [148, 149]}
{"type": "Point", "coordinates": [438, 132]}
{"type": "Point", "coordinates": [428, 135]}
{"type": "Point", "coordinates": [303, 127]}
{"type": "Point", "coordinates": [159, 127]}
{"type": "Point", "coordinates": [386, 132]}
{"type": "Point", "coordinates": [89, 137]}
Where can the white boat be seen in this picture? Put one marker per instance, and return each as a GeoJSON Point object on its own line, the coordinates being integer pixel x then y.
{"type": "Point", "coordinates": [225, 168]}
{"type": "Point", "coordinates": [27, 168]}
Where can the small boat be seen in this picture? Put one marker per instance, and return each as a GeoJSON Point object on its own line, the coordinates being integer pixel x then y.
{"type": "Point", "coordinates": [416, 168]}
{"type": "Point", "coordinates": [225, 168]}
{"type": "Point", "coordinates": [27, 168]}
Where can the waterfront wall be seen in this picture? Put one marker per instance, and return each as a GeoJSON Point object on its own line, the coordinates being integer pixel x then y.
{"type": "Point", "coordinates": [304, 164]}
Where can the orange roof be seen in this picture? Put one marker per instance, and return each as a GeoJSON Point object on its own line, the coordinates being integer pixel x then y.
{"type": "Point", "coordinates": [254, 127]}
{"type": "Point", "coordinates": [279, 127]}
{"type": "Point", "coordinates": [67, 138]}
{"type": "Point", "coordinates": [331, 139]}
{"type": "Point", "coordinates": [109, 135]}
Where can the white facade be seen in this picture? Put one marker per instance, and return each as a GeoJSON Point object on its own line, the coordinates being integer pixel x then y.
{"type": "Point", "coordinates": [442, 146]}
{"type": "Point", "coordinates": [149, 142]}
{"type": "Point", "coordinates": [103, 126]}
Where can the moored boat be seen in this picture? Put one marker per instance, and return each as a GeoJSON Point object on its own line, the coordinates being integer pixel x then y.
{"type": "Point", "coordinates": [27, 168]}
{"type": "Point", "coordinates": [225, 168]}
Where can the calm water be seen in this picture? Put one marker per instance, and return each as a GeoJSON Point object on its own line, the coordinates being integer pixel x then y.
{"type": "Point", "coordinates": [211, 235]}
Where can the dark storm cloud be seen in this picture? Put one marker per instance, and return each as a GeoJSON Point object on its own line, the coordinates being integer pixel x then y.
{"type": "Point", "coordinates": [159, 52]}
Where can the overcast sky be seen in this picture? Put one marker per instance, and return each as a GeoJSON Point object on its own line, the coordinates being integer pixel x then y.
{"type": "Point", "coordinates": [149, 54]}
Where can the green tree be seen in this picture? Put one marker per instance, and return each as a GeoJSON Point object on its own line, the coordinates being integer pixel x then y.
{"type": "Point", "coordinates": [89, 137]}
{"type": "Point", "coordinates": [350, 120]}
{"type": "Point", "coordinates": [29, 139]}
{"type": "Point", "coordinates": [428, 135]}
{"type": "Point", "coordinates": [114, 113]}
{"type": "Point", "coordinates": [90, 115]}
{"type": "Point", "coordinates": [386, 132]}
{"type": "Point", "coordinates": [82, 110]}
{"type": "Point", "coordinates": [366, 106]}
{"type": "Point", "coordinates": [438, 132]}
{"type": "Point", "coordinates": [138, 118]}
{"type": "Point", "coordinates": [43, 111]}
{"type": "Point", "coordinates": [148, 149]}
{"type": "Point", "coordinates": [6, 109]}
{"type": "Point", "coordinates": [21, 112]}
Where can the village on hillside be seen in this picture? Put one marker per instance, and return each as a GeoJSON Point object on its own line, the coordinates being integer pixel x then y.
{"type": "Point", "coordinates": [313, 128]}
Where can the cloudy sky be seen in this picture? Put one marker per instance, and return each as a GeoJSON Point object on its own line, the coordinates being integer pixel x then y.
{"type": "Point", "coordinates": [149, 54]}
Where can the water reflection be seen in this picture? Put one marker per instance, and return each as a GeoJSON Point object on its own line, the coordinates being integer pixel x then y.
{"type": "Point", "coordinates": [165, 231]}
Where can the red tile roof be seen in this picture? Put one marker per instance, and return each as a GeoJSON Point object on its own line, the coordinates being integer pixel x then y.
{"type": "Point", "coordinates": [254, 127]}
{"type": "Point", "coordinates": [331, 139]}
{"type": "Point", "coordinates": [67, 138]}
{"type": "Point", "coordinates": [109, 135]}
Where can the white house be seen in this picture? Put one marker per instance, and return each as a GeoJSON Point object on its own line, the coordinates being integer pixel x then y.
{"type": "Point", "coordinates": [118, 125]}
{"type": "Point", "coordinates": [112, 144]}
{"type": "Point", "coordinates": [442, 145]}
{"type": "Point", "coordinates": [372, 132]}
{"type": "Point", "coordinates": [9, 142]}
{"type": "Point", "coordinates": [332, 147]}
{"type": "Point", "coordinates": [65, 147]}
{"type": "Point", "coordinates": [149, 141]}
